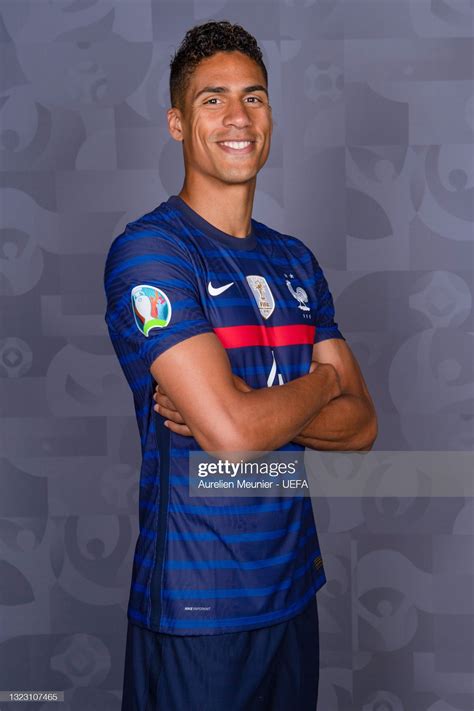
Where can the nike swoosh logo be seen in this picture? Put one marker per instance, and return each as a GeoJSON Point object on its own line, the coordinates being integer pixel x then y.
{"type": "Point", "coordinates": [216, 290]}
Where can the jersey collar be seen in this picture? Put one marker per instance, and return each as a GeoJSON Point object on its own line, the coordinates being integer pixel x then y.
{"type": "Point", "coordinates": [248, 242]}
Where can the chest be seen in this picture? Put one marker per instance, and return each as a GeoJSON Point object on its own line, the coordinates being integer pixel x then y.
{"type": "Point", "coordinates": [263, 310]}
{"type": "Point", "coordinates": [258, 291]}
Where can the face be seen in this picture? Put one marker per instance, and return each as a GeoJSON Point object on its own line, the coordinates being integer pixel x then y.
{"type": "Point", "coordinates": [225, 102]}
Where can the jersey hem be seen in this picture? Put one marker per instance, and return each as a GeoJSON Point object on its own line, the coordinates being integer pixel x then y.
{"type": "Point", "coordinates": [174, 631]}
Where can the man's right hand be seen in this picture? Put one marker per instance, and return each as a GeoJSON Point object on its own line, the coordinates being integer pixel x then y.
{"type": "Point", "coordinates": [240, 384]}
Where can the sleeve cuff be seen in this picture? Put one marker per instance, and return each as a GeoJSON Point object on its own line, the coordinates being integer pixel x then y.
{"type": "Point", "coordinates": [323, 333]}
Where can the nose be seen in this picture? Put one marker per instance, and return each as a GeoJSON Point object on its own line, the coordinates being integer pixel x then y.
{"type": "Point", "coordinates": [237, 114]}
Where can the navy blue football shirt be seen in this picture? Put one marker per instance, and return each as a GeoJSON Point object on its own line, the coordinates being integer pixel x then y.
{"type": "Point", "coordinates": [211, 565]}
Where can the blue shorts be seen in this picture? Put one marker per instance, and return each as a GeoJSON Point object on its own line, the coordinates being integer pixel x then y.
{"type": "Point", "coordinates": [273, 668]}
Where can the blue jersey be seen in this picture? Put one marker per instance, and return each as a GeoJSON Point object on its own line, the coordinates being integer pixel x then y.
{"type": "Point", "coordinates": [210, 565]}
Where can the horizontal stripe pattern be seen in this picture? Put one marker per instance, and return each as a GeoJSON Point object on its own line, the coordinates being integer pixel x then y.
{"type": "Point", "coordinates": [226, 510]}
{"type": "Point", "coordinates": [213, 593]}
{"type": "Point", "coordinates": [239, 564]}
{"type": "Point", "coordinates": [273, 336]}
{"type": "Point", "coordinates": [236, 623]}
{"type": "Point", "coordinates": [251, 559]}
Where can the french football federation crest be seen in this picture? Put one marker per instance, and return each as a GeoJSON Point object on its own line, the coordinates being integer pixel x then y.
{"type": "Point", "coordinates": [151, 308]}
{"type": "Point", "coordinates": [299, 293]}
{"type": "Point", "coordinates": [263, 295]}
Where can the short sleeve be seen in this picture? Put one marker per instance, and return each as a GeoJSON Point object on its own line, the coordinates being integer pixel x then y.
{"type": "Point", "coordinates": [151, 286]}
{"type": "Point", "coordinates": [326, 326]}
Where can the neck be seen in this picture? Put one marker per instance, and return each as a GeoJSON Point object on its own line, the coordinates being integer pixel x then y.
{"type": "Point", "coordinates": [227, 207]}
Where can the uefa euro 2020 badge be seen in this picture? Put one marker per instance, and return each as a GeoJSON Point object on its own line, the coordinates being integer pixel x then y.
{"type": "Point", "coordinates": [151, 308]}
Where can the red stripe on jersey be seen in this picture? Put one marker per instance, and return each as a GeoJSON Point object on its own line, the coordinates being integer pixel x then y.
{"type": "Point", "coordinates": [241, 336]}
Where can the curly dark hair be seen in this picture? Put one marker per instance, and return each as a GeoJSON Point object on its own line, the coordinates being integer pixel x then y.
{"type": "Point", "coordinates": [203, 41]}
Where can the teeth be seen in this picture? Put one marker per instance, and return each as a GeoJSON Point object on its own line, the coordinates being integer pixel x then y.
{"type": "Point", "coordinates": [237, 144]}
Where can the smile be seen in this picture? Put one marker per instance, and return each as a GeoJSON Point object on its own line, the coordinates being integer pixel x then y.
{"type": "Point", "coordinates": [237, 146]}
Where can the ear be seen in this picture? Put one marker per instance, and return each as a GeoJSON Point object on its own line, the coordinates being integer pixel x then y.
{"type": "Point", "coordinates": [174, 124]}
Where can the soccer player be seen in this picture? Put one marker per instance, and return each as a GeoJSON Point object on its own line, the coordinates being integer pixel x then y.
{"type": "Point", "coordinates": [235, 322]}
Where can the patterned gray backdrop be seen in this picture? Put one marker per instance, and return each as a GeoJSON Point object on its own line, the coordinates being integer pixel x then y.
{"type": "Point", "coordinates": [372, 166]}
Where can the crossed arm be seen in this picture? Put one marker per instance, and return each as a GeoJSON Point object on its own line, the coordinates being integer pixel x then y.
{"type": "Point", "coordinates": [349, 421]}
{"type": "Point", "coordinates": [330, 408]}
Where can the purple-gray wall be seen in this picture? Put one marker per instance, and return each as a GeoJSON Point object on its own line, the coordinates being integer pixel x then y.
{"type": "Point", "coordinates": [372, 166]}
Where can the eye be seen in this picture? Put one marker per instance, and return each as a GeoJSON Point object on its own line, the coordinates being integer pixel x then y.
{"type": "Point", "coordinates": [214, 98]}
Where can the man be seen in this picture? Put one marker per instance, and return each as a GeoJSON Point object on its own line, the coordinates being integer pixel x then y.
{"type": "Point", "coordinates": [218, 308]}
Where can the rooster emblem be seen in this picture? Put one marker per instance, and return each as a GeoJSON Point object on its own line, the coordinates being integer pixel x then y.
{"type": "Point", "coordinates": [299, 293]}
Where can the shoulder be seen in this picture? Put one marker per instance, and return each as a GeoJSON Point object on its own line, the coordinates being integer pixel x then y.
{"type": "Point", "coordinates": [150, 237]}
{"type": "Point", "coordinates": [286, 241]}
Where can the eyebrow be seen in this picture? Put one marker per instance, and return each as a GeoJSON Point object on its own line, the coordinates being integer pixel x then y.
{"type": "Point", "coordinates": [225, 89]}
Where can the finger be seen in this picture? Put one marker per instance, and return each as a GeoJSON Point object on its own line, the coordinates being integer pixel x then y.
{"type": "Point", "coordinates": [313, 366]}
{"type": "Point", "coordinates": [240, 383]}
{"type": "Point", "coordinates": [165, 402]}
{"type": "Point", "coordinates": [163, 399]}
{"type": "Point", "coordinates": [179, 429]}
{"type": "Point", "coordinates": [158, 391]}
{"type": "Point", "coordinates": [170, 414]}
